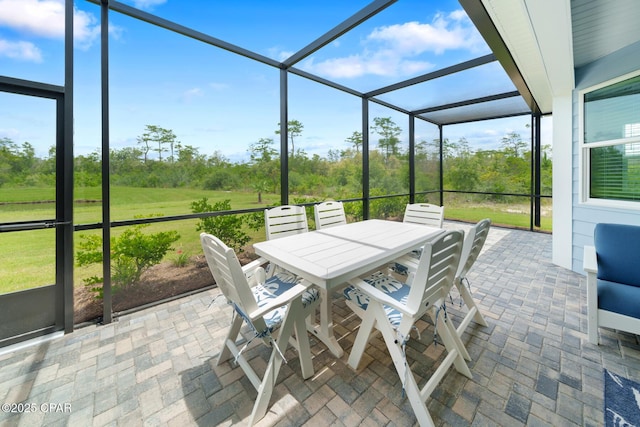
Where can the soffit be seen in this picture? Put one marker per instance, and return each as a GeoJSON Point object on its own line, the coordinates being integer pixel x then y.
{"type": "Point", "coordinates": [534, 37]}
{"type": "Point", "coordinates": [601, 27]}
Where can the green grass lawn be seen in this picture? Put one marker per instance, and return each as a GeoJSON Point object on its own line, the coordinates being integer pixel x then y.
{"type": "Point", "coordinates": [499, 216]}
{"type": "Point", "coordinates": [28, 258]}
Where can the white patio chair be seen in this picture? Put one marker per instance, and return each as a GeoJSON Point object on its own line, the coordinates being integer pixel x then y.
{"type": "Point", "coordinates": [329, 214]}
{"type": "Point", "coordinates": [266, 305]}
{"type": "Point", "coordinates": [394, 308]}
{"type": "Point", "coordinates": [285, 220]}
{"type": "Point", "coordinates": [425, 214]}
{"type": "Point", "coordinates": [473, 243]}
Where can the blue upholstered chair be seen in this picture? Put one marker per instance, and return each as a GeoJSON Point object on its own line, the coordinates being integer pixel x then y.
{"type": "Point", "coordinates": [613, 279]}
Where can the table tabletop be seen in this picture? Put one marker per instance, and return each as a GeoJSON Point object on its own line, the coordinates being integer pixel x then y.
{"type": "Point", "coordinates": [331, 256]}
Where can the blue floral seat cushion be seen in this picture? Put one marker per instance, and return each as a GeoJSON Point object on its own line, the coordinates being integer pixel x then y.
{"type": "Point", "coordinates": [402, 269]}
{"type": "Point", "coordinates": [390, 286]}
{"type": "Point", "coordinates": [274, 287]}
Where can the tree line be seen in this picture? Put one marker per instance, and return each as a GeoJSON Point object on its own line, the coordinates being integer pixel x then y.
{"type": "Point", "coordinates": [159, 159]}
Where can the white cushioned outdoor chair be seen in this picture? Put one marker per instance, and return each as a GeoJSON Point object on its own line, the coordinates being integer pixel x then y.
{"type": "Point", "coordinates": [422, 214]}
{"type": "Point", "coordinates": [285, 220]}
{"type": "Point", "coordinates": [425, 214]}
{"type": "Point", "coordinates": [329, 214]}
{"type": "Point", "coordinates": [272, 308]}
{"type": "Point", "coordinates": [473, 244]}
{"type": "Point", "coordinates": [474, 241]}
{"type": "Point", "coordinates": [394, 308]}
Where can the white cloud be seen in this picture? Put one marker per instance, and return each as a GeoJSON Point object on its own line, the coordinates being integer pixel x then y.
{"type": "Point", "coordinates": [279, 54]}
{"type": "Point", "coordinates": [382, 63]}
{"type": "Point", "coordinates": [394, 50]}
{"type": "Point", "coordinates": [191, 94]}
{"type": "Point", "coordinates": [45, 18]}
{"type": "Point", "coordinates": [86, 29]}
{"type": "Point", "coordinates": [21, 50]}
{"type": "Point", "coordinates": [454, 31]}
{"type": "Point", "coordinates": [11, 133]}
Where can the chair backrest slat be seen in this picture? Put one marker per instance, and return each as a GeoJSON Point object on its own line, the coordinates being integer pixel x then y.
{"type": "Point", "coordinates": [285, 220]}
{"type": "Point", "coordinates": [229, 277]}
{"type": "Point", "coordinates": [424, 214]}
{"type": "Point", "coordinates": [436, 271]}
{"type": "Point", "coordinates": [473, 243]}
{"type": "Point", "coordinates": [329, 214]}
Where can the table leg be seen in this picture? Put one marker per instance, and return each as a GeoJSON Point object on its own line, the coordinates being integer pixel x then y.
{"type": "Point", "coordinates": [324, 331]}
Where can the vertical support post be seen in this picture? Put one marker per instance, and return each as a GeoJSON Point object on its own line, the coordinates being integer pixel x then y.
{"type": "Point", "coordinates": [532, 174]}
{"type": "Point", "coordinates": [412, 158]}
{"type": "Point", "coordinates": [441, 177]}
{"type": "Point", "coordinates": [107, 300]}
{"type": "Point", "coordinates": [365, 158]}
{"type": "Point", "coordinates": [284, 147]}
{"type": "Point", "coordinates": [64, 184]}
{"type": "Point", "coordinates": [537, 121]}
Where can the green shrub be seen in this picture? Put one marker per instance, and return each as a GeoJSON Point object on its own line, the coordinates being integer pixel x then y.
{"type": "Point", "coordinates": [227, 228]}
{"type": "Point", "coordinates": [131, 254]}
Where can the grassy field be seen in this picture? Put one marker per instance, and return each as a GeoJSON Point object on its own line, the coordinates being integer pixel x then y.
{"type": "Point", "coordinates": [28, 258]}
{"type": "Point", "coordinates": [512, 218]}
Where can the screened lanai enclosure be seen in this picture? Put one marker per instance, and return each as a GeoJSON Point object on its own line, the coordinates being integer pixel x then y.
{"type": "Point", "coordinates": [137, 125]}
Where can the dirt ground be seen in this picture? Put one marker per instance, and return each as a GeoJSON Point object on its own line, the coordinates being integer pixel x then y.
{"type": "Point", "coordinates": [161, 281]}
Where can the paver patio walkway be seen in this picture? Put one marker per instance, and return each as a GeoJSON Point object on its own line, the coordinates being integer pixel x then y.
{"type": "Point", "coordinates": [533, 365]}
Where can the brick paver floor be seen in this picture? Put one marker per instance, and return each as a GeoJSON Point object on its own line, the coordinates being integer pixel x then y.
{"type": "Point", "coordinates": [532, 365]}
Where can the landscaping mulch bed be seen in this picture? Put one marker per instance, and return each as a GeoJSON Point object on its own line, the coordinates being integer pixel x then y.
{"type": "Point", "coordinates": [160, 282]}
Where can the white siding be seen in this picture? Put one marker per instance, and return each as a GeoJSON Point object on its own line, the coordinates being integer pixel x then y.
{"type": "Point", "coordinates": [585, 217]}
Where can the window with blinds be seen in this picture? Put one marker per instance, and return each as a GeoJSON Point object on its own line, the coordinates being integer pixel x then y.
{"type": "Point", "coordinates": [611, 140]}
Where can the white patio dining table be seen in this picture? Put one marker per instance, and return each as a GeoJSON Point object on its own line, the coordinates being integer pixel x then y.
{"type": "Point", "coordinates": [330, 257]}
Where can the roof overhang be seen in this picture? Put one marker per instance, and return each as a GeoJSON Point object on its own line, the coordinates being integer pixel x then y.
{"type": "Point", "coordinates": [533, 42]}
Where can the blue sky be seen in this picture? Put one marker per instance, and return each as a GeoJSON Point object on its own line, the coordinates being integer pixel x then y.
{"type": "Point", "coordinates": [220, 102]}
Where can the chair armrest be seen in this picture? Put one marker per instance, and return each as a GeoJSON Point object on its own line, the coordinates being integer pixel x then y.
{"type": "Point", "coordinates": [247, 268]}
{"type": "Point", "coordinates": [590, 260]}
{"type": "Point", "coordinates": [376, 294]}
{"type": "Point", "coordinates": [283, 299]}
{"type": "Point", "coordinates": [409, 261]}
{"type": "Point", "coordinates": [590, 265]}
{"type": "Point", "coordinates": [254, 272]}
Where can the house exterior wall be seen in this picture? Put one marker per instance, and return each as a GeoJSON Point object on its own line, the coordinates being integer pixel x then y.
{"type": "Point", "coordinates": [584, 216]}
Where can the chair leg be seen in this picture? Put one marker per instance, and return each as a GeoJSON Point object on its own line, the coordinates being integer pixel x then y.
{"type": "Point", "coordinates": [366, 327]}
{"type": "Point", "coordinates": [410, 386]}
{"type": "Point", "coordinates": [458, 340]}
{"type": "Point", "coordinates": [592, 308]}
{"type": "Point", "coordinates": [304, 350]}
{"type": "Point", "coordinates": [448, 335]}
{"type": "Point", "coordinates": [471, 304]}
{"type": "Point", "coordinates": [273, 367]}
{"type": "Point", "coordinates": [232, 336]}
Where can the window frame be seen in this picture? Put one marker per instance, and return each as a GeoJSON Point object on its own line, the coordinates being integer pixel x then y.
{"type": "Point", "coordinates": [584, 150]}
